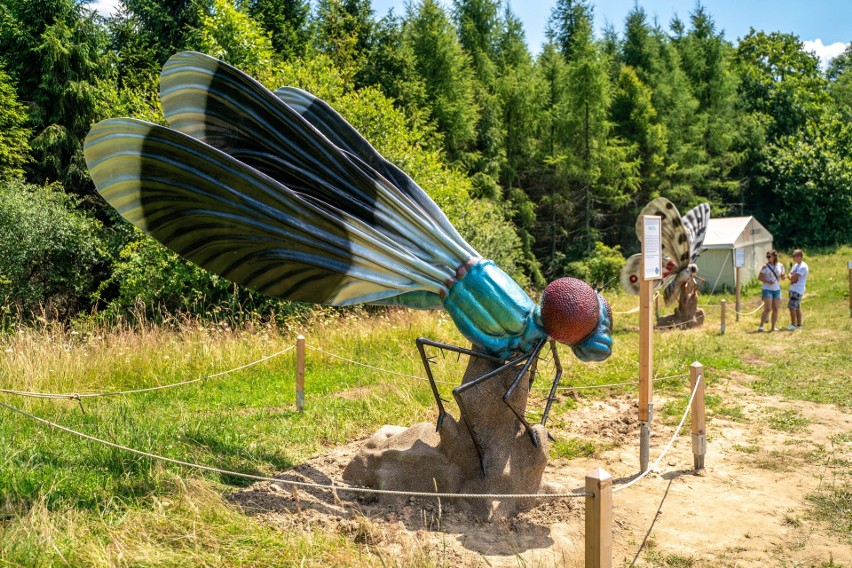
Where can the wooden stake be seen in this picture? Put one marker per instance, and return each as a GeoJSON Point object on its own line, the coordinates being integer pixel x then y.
{"type": "Point", "coordinates": [300, 373]}
{"type": "Point", "coordinates": [598, 519]}
{"type": "Point", "coordinates": [850, 289]}
{"type": "Point", "coordinates": [699, 434]}
{"type": "Point", "coordinates": [724, 309]}
{"type": "Point", "coordinates": [739, 289]}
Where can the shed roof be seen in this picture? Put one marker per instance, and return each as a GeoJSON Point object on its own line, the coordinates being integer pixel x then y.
{"type": "Point", "coordinates": [727, 232]}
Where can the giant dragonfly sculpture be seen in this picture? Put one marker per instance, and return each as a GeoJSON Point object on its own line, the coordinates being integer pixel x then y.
{"type": "Point", "coordinates": [277, 192]}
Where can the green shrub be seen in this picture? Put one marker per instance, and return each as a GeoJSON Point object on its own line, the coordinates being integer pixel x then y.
{"type": "Point", "coordinates": [150, 280]}
{"type": "Point", "coordinates": [602, 266]}
{"type": "Point", "coordinates": [51, 253]}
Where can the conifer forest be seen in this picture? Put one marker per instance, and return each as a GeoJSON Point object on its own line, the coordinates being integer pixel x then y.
{"type": "Point", "coordinates": [541, 160]}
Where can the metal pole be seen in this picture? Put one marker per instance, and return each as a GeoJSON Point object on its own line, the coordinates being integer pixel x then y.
{"type": "Point", "coordinates": [699, 432]}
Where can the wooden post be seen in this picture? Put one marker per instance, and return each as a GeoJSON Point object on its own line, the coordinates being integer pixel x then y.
{"type": "Point", "coordinates": [646, 369]}
{"type": "Point", "coordinates": [724, 309]}
{"type": "Point", "coordinates": [300, 373]}
{"type": "Point", "coordinates": [850, 288]}
{"type": "Point", "coordinates": [651, 271]}
{"type": "Point", "coordinates": [699, 434]}
{"type": "Point", "coordinates": [739, 289]}
{"type": "Point", "coordinates": [598, 519]}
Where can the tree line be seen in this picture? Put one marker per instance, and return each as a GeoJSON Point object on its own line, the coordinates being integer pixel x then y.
{"type": "Point", "coordinates": [542, 160]}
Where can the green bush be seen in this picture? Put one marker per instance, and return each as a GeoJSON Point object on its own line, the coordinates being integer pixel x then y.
{"type": "Point", "coordinates": [148, 280]}
{"type": "Point", "coordinates": [602, 266]}
{"type": "Point", "coordinates": [51, 253]}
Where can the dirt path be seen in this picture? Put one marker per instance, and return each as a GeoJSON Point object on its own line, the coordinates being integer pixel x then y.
{"type": "Point", "coordinates": [747, 508]}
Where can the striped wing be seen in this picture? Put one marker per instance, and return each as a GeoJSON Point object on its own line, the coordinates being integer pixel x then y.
{"type": "Point", "coordinates": [673, 236]}
{"type": "Point", "coordinates": [695, 222]}
{"type": "Point", "coordinates": [235, 221]}
{"type": "Point", "coordinates": [329, 162]}
{"type": "Point", "coordinates": [672, 286]}
{"type": "Point", "coordinates": [334, 127]}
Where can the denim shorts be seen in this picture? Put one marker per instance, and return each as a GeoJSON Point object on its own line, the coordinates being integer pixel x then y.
{"type": "Point", "coordinates": [795, 300]}
{"type": "Point", "coordinates": [771, 294]}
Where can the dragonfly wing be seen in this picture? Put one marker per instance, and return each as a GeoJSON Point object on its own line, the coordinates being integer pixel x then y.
{"type": "Point", "coordinates": [237, 222]}
{"type": "Point", "coordinates": [337, 129]}
{"type": "Point", "coordinates": [222, 106]}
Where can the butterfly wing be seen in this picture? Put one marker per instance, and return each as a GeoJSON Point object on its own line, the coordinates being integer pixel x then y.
{"type": "Point", "coordinates": [673, 236]}
{"type": "Point", "coordinates": [237, 222]}
{"type": "Point", "coordinates": [695, 222]}
{"type": "Point", "coordinates": [631, 273]}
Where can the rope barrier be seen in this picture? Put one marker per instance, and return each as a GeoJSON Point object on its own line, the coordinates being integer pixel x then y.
{"type": "Point", "coordinates": [669, 445]}
{"type": "Point", "coordinates": [688, 322]}
{"type": "Point", "coordinates": [79, 396]}
{"type": "Point", "coordinates": [326, 487]}
{"type": "Point", "coordinates": [317, 349]}
{"type": "Point", "coordinates": [581, 387]}
{"type": "Point", "coordinates": [633, 311]}
{"type": "Point", "coordinates": [749, 313]}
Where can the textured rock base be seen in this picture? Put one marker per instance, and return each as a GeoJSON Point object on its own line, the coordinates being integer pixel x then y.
{"type": "Point", "coordinates": [420, 458]}
{"type": "Point", "coordinates": [686, 314]}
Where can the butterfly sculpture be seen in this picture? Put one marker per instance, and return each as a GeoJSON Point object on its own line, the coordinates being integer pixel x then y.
{"type": "Point", "coordinates": [681, 239]}
{"type": "Point", "coordinates": [277, 192]}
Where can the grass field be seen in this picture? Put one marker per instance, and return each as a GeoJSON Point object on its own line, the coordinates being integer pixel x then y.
{"type": "Point", "coordinates": [68, 501]}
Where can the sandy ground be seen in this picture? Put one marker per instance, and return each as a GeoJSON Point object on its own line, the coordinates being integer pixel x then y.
{"type": "Point", "coordinates": [748, 507]}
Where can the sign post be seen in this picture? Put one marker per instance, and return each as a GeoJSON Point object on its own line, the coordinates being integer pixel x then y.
{"type": "Point", "coordinates": [850, 287]}
{"type": "Point", "coordinates": [652, 260]}
{"type": "Point", "coordinates": [740, 262]}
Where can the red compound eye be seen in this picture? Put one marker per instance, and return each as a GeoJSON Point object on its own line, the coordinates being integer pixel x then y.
{"type": "Point", "coordinates": [634, 279]}
{"type": "Point", "coordinates": [569, 310]}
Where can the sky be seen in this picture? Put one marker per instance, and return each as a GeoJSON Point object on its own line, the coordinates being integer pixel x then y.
{"type": "Point", "coordinates": [822, 25]}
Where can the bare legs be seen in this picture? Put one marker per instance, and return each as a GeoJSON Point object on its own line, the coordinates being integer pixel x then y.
{"type": "Point", "coordinates": [770, 310]}
{"type": "Point", "coordinates": [796, 316]}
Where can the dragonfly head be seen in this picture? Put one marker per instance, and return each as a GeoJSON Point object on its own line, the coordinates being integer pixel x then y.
{"type": "Point", "coordinates": [573, 313]}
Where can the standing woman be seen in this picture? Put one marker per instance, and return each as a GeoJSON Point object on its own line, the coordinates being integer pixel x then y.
{"type": "Point", "coordinates": [771, 275]}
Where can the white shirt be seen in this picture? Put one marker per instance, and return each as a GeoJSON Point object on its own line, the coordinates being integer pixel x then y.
{"type": "Point", "coordinates": [771, 280]}
{"type": "Point", "coordinates": [802, 270]}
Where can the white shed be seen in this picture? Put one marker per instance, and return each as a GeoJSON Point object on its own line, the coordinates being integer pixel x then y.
{"type": "Point", "coordinates": [724, 236]}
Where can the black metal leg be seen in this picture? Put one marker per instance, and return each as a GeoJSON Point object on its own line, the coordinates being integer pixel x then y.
{"type": "Point", "coordinates": [458, 391]}
{"type": "Point", "coordinates": [529, 359]}
{"type": "Point", "coordinates": [552, 396]}
{"type": "Point", "coordinates": [421, 343]}
{"type": "Point", "coordinates": [533, 358]}
{"type": "Point", "coordinates": [427, 366]}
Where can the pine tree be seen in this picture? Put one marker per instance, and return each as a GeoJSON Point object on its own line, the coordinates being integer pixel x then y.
{"type": "Point", "coordinates": [56, 53]}
{"type": "Point", "coordinates": [445, 69]}
{"type": "Point", "coordinates": [286, 21]}
{"type": "Point", "coordinates": [705, 58]}
{"type": "Point", "coordinates": [14, 135]}
{"type": "Point", "coordinates": [566, 20]}
{"type": "Point", "coordinates": [479, 28]}
{"type": "Point", "coordinates": [343, 32]}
